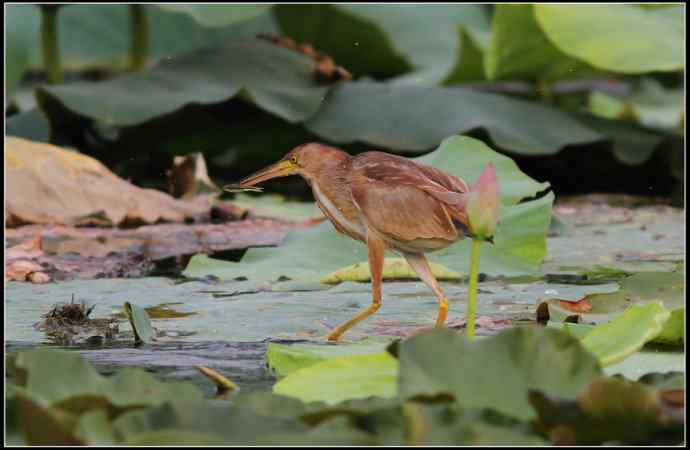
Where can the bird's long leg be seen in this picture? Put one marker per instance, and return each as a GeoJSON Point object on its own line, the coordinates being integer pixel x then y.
{"type": "Point", "coordinates": [376, 249]}
{"type": "Point", "coordinates": [420, 265]}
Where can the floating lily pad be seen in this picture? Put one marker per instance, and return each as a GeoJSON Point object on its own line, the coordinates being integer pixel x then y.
{"type": "Point", "coordinates": [673, 331]}
{"type": "Point", "coordinates": [393, 268]}
{"type": "Point", "coordinates": [343, 378]}
{"type": "Point", "coordinates": [274, 205]}
{"type": "Point", "coordinates": [285, 359]}
{"type": "Point", "coordinates": [613, 341]}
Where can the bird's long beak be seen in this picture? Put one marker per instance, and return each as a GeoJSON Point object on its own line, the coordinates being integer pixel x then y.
{"type": "Point", "coordinates": [279, 169]}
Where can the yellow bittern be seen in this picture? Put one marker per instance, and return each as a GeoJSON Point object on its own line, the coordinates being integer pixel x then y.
{"type": "Point", "coordinates": [385, 201]}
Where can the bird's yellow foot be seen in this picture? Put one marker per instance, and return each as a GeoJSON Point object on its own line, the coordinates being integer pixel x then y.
{"type": "Point", "coordinates": [341, 329]}
{"type": "Point", "coordinates": [442, 313]}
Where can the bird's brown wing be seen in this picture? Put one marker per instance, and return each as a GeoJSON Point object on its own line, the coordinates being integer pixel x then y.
{"type": "Point", "coordinates": [400, 212]}
{"type": "Point", "coordinates": [402, 181]}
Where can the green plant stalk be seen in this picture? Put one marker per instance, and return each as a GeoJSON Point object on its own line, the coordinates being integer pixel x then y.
{"type": "Point", "coordinates": [138, 50]}
{"type": "Point", "coordinates": [49, 42]}
{"type": "Point", "coordinates": [544, 90]}
{"type": "Point", "coordinates": [472, 289]}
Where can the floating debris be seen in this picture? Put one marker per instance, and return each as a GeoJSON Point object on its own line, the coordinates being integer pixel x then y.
{"type": "Point", "coordinates": [69, 324]}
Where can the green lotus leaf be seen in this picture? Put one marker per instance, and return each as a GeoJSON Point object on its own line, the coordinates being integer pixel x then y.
{"type": "Point", "coordinates": [522, 358]}
{"type": "Point", "coordinates": [637, 40]}
{"type": "Point", "coordinates": [417, 118]}
{"type": "Point", "coordinates": [274, 78]}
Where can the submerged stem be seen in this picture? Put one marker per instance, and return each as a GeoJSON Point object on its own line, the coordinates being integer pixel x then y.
{"type": "Point", "coordinates": [472, 289]}
{"type": "Point", "coordinates": [139, 39]}
{"type": "Point", "coordinates": [49, 41]}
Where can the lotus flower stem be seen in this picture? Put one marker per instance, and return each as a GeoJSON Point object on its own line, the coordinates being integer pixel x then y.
{"type": "Point", "coordinates": [50, 44]}
{"type": "Point", "coordinates": [472, 289]}
{"type": "Point", "coordinates": [139, 37]}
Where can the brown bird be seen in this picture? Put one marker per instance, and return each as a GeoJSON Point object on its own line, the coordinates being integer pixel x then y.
{"type": "Point", "coordinates": [386, 201]}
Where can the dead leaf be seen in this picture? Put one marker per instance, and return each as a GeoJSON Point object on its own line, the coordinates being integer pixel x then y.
{"type": "Point", "coordinates": [28, 249]}
{"type": "Point", "coordinates": [23, 269]}
{"type": "Point", "coordinates": [49, 184]}
{"type": "Point", "coordinates": [580, 306]}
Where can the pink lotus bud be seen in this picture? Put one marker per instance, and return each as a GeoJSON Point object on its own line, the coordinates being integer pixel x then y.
{"type": "Point", "coordinates": [483, 204]}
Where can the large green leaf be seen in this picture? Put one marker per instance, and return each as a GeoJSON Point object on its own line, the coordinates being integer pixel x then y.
{"type": "Point", "coordinates": [673, 331]}
{"type": "Point", "coordinates": [21, 24]}
{"type": "Point", "coordinates": [285, 359]}
{"type": "Point", "coordinates": [616, 37]}
{"type": "Point", "coordinates": [344, 378]}
{"type": "Point", "coordinates": [66, 380]}
{"type": "Point", "coordinates": [169, 33]}
{"type": "Point", "coordinates": [218, 15]}
{"type": "Point", "coordinates": [415, 118]}
{"type": "Point", "coordinates": [495, 372]}
{"type": "Point", "coordinates": [275, 205]}
{"type": "Point", "coordinates": [649, 103]}
{"type": "Point", "coordinates": [469, 65]}
{"type": "Point", "coordinates": [519, 49]}
{"type": "Point", "coordinates": [609, 410]}
{"type": "Point", "coordinates": [465, 157]}
{"type": "Point", "coordinates": [613, 341]}
{"type": "Point", "coordinates": [632, 144]}
{"type": "Point", "coordinates": [387, 40]}
{"type": "Point", "coordinates": [276, 79]}
{"type": "Point", "coordinates": [309, 254]}
{"type": "Point", "coordinates": [32, 125]}
{"type": "Point", "coordinates": [208, 421]}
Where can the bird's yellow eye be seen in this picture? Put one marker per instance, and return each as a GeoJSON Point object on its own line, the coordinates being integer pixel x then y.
{"type": "Point", "coordinates": [293, 160]}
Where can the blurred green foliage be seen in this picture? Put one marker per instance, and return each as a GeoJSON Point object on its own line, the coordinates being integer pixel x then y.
{"type": "Point", "coordinates": [529, 79]}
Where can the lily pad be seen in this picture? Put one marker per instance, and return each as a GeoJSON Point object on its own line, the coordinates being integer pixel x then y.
{"type": "Point", "coordinates": [64, 379]}
{"type": "Point", "coordinates": [609, 410]}
{"type": "Point", "coordinates": [640, 40]}
{"type": "Point", "coordinates": [613, 341]}
{"type": "Point", "coordinates": [393, 268]}
{"type": "Point", "coordinates": [443, 361]}
{"type": "Point", "coordinates": [673, 330]}
{"type": "Point", "coordinates": [650, 104]}
{"type": "Point", "coordinates": [141, 323]}
{"type": "Point", "coordinates": [275, 205]}
{"type": "Point", "coordinates": [387, 40]}
{"type": "Point", "coordinates": [380, 114]}
{"type": "Point", "coordinates": [169, 33]}
{"type": "Point", "coordinates": [276, 79]}
{"type": "Point", "coordinates": [218, 15]}
{"type": "Point", "coordinates": [343, 378]}
{"type": "Point", "coordinates": [285, 359]}
{"type": "Point", "coordinates": [519, 48]}
{"type": "Point", "coordinates": [202, 422]}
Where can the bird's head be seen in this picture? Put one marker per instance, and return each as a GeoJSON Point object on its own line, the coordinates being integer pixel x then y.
{"type": "Point", "coordinates": [306, 160]}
